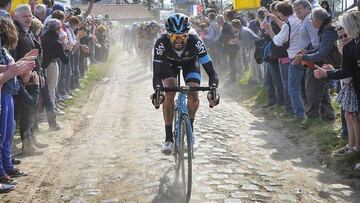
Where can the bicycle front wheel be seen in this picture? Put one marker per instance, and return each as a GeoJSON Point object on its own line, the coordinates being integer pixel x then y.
{"type": "Point", "coordinates": [184, 156]}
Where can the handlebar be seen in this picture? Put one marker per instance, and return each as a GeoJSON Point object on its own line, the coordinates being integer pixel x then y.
{"type": "Point", "coordinates": [184, 89]}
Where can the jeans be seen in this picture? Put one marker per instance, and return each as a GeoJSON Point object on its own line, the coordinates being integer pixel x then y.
{"type": "Point", "coordinates": [65, 78]}
{"type": "Point", "coordinates": [284, 71]}
{"type": "Point", "coordinates": [75, 83]}
{"type": "Point", "coordinates": [294, 84]}
{"type": "Point", "coordinates": [269, 85]}
{"type": "Point", "coordinates": [6, 132]}
{"type": "Point", "coordinates": [274, 69]}
{"type": "Point", "coordinates": [68, 74]}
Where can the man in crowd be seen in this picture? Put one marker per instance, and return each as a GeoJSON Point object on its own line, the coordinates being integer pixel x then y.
{"type": "Point", "coordinates": [212, 35]}
{"type": "Point", "coordinates": [5, 6]}
{"type": "Point", "coordinates": [289, 36]}
{"type": "Point", "coordinates": [40, 12]}
{"type": "Point", "coordinates": [317, 91]}
{"type": "Point", "coordinates": [230, 51]}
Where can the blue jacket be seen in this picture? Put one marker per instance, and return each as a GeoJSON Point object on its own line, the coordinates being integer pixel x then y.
{"type": "Point", "coordinates": [327, 43]}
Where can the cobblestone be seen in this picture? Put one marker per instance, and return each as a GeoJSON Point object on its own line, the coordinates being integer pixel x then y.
{"type": "Point", "coordinates": [250, 187]}
{"type": "Point", "coordinates": [215, 196]}
{"type": "Point", "coordinates": [232, 201]}
{"type": "Point", "coordinates": [227, 187]}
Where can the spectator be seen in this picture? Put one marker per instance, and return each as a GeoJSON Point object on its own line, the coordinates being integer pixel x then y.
{"type": "Point", "coordinates": [10, 88]}
{"type": "Point", "coordinates": [220, 53]}
{"type": "Point", "coordinates": [230, 51]}
{"type": "Point", "coordinates": [63, 88]}
{"type": "Point", "coordinates": [253, 23]}
{"type": "Point", "coordinates": [290, 38]}
{"type": "Point", "coordinates": [5, 6]}
{"type": "Point", "coordinates": [273, 77]}
{"type": "Point", "coordinates": [27, 98]}
{"type": "Point", "coordinates": [73, 25]}
{"type": "Point", "coordinates": [314, 4]}
{"type": "Point", "coordinates": [49, 4]}
{"type": "Point", "coordinates": [40, 12]}
{"type": "Point", "coordinates": [213, 5]}
{"type": "Point", "coordinates": [102, 39]}
{"type": "Point", "coordinates": [342, 40]}
{"type": "Point", "coordinates": [241, 17]}
{"type": "Point", "coordinates": [349, 96]}
{"type": "Point", "coordinates": [317, 91]}
{"type": "Point", "coordinates": [36, 29]}
{"type": "Point", "coordinates": [32, 4]}
{"type": "Point", "coordinates": [53, 50]}
{"type": "Point", "coordinates": [325, 5]}
{"type": "Point", "coordinates": [212, 36]}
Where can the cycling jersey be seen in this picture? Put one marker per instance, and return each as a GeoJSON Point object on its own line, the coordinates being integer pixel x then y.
{"type": "Point", "coordinates": [167, 60]}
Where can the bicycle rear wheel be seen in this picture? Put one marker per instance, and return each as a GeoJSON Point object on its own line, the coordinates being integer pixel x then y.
{"type": "Point", "coordinates": [184, 158]}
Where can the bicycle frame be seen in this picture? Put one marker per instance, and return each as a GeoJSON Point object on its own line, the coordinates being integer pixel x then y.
{"type": "Point", "coordinates": [180, 109]}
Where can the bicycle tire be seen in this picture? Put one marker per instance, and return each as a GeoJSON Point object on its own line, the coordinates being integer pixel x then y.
{"type": "Point", "coordinates": [186, 132]}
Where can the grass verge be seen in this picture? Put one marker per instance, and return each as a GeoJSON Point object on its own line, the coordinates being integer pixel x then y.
{"type": "Point", "coordinates": [95, 74]}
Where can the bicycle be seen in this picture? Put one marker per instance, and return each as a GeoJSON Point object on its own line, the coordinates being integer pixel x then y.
{"type": "Point", "coordinates": [182, 131]}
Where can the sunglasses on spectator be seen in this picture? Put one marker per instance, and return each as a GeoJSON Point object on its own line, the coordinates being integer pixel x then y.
{"type": "Point", "coordinates": [342, 36]}
{"type": "Point", "coordinates": [339, 28]}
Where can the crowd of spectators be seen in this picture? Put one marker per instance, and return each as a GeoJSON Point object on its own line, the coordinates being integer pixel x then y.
{"type": "Point", "coordinates": [45, 50]}
{"type": "Point", "coordinates": [303, 53]}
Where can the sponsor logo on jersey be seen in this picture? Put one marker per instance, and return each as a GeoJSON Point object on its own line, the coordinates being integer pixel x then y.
{"type": "Point", "coordinates": [160, 49]}
{"type": "Point", "coordinates": [200, 46]}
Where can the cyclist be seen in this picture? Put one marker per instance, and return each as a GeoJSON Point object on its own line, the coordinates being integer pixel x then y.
{"type": "Point", "coordinates": [179, 48]}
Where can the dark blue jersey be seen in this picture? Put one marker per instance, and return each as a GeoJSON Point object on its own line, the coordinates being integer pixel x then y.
{"type": "Point", "coordinates": [194, 51]}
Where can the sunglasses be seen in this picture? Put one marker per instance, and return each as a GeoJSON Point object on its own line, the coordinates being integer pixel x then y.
{"type": "Point", "coordinates": [342, 36]}
{"type": "Point", "coordinates": [174, 37]}
{"type": "Point", "coordinates": [339, 28]}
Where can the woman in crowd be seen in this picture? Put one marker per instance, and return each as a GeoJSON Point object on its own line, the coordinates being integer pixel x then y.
{"type": "Point", "coordinates": [9, 39]}
{"type": "Point", "coordinates": [53, 50]}
{"type": "Point", "coordinates": [349, 96]}
{"type": "Point", "coordinates": [26, 101]}
{"type": "Point", "coordinates": [326, 6]}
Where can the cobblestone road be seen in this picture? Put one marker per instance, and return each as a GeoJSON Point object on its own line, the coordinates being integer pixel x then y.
{"type": "Point", "coordinates": [113, 155]}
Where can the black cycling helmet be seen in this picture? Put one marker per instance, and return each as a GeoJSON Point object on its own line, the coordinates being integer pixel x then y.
{"type": "Point", "coordinates": [177, 23]}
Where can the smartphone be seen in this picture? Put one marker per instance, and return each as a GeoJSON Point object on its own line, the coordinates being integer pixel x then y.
{"type": "Point", "coordinates": [268, 19]}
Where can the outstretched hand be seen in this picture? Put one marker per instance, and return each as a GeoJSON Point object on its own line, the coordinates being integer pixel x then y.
{"type": "Point", "coordinates": [320, 72]}
{"type": "Point", "coordinates": [297, 60]}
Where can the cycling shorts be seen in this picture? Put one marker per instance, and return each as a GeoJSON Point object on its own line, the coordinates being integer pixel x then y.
{"type": "Point", "coordinates": [191, 71]}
